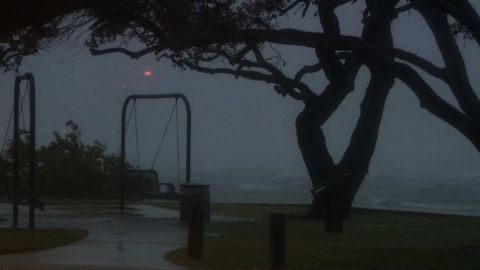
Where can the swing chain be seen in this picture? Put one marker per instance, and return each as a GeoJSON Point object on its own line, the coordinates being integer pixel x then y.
{"type": "Point", "coordinates": [174, 108]}
{"type": "Point", "coordinates": [133, 112]}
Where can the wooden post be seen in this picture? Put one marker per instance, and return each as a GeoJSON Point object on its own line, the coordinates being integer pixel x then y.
{"type": "Point", "coordinates": [195, 233]}
{"type": "Point", "coordinates": [278, 239]}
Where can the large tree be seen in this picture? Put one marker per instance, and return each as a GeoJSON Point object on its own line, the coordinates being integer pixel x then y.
{"type": "Point", "coordinates": [240, 38]}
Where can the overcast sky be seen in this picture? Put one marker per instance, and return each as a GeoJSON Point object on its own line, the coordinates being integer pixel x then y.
{"type": "Point", "coordinates": [238, 125]}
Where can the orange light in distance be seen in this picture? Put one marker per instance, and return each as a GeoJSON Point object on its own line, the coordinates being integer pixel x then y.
{"type": "Point", "coordinates": [147, 73]}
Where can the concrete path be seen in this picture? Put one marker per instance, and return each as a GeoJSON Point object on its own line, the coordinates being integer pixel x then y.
{"type": "Point", "coordinates": [113, 243]}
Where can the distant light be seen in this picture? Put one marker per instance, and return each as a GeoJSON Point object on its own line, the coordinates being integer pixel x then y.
{"type": "Point", "coordinates": [147, 73]}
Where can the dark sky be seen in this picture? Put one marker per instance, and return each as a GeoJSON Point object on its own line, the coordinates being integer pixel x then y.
{"type": "Point", "coordinates": [238, 125]}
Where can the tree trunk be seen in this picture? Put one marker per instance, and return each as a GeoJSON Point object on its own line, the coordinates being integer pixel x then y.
{"type": "Point", "coordinates": [320, 165]}
{"type": "Point", "coordinates": [331, 201]}
{"type": "Point", "coordinates": [338, 184]}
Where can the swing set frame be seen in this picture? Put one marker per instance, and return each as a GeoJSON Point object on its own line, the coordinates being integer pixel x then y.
{"type": "Point", "coordinates": [17, 110]}
{"type": "Point", "coordinates": [123, 169]}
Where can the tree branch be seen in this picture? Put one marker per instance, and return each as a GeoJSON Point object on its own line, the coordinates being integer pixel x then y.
{"type": "Point", "coordinates": [241, 54]}
{"type": "Point", "coordinates": [340, 76]}
{"type": "Point", "coordinates": [436, 105]}
{"type": "Point", "coordinates": [288, 84]}
{"type": "Point", "coordinates": [4, 52]}
{"type": "Point", "coordinates": [461, 10]}
{"type": "Point", "coordinates": [307, 70]}
{"type": "Point", "coordinates": [293, 5]}
{"type": "Point", "coordinates": [357, 157]}
{"type": "Point", "coordinates": [362, 145]}
{"type": "Point", "coordinates": [252, 75]}
{"type": "Point", "coordinates": [135, 55]}
{"type": "Point", "coordinates": [419, 62]}
{"type": "Point", "coordinates": [406, 7]}
{"type": "Point", "coordinates": [284, 37]}
{"type": "Point", "coordinates": [456, 70]}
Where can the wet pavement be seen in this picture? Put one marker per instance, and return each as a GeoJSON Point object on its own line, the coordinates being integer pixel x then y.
{"type": "Point", "coordinates": [114, 242]}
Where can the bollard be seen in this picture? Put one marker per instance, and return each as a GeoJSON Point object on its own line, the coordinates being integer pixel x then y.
{"type": "Point", "coordinates": [192, 195]}
{"type": "Point", "coordinates": [278, 239]}
{"type": "Point", "coordinates": [195, 233]}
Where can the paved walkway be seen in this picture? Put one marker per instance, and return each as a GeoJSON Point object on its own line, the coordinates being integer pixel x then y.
{"type": "Point", "coordinates": [113, 243]}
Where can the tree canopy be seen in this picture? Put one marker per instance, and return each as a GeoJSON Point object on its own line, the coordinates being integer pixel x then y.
{"type": "Point", "coordinates": [67, 167]}
{"type": "Point", "coordinates": [240, 38]}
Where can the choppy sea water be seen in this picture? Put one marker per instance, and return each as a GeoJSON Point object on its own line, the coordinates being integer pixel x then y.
{"type": "Point", "coordinates": [422, 194]}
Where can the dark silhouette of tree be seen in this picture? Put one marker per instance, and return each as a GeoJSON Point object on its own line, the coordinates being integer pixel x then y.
{"type": "Point", "coordinates": [29, 26]}
{"type": "Point", "coordinates": [67, 167]}
{"type": "Point", "coordinates": [240, 38]}
{"type": "Point", "coordinates": [70, 168]}
{"type": "Point", "coordinates": [6, 164]}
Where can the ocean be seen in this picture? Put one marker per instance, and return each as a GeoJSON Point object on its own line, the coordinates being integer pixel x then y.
{"type": "Point", "coordinates": [450, 195]}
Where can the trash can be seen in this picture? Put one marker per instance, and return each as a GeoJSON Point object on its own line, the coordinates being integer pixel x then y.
{"type": "Point", "coordinates": [194, 195]}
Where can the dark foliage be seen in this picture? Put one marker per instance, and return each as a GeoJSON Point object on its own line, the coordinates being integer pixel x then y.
{"type": "Point", "coordinates": [69, 168]}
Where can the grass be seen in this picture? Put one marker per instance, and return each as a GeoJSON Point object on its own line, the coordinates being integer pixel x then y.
{"type": "Point", "coordinates": [23, 240]}
{"type": "Point", "coordinates": [371, 240]}
{"type": "Point", "coordinates": [245, 211]}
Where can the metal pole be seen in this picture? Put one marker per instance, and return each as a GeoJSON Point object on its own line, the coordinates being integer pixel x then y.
{"type": "Point", "coordinates": [32, 189]}
{"type": "Point", "coordinates": [189, 138]}
{"type": "Point", "coordinates": [16, 110]}
{"type": "Point", "coordinates": [32, 145]}
{"type": "Point", "coordinates": [122, 154]}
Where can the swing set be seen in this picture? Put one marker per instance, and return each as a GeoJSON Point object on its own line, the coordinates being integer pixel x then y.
{"type": "Point", "coordinates": [146, 181]}
{"type": "Point", "coordinates": [20, 183]}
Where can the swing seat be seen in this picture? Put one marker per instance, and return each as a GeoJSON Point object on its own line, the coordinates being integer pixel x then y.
{"type": "Point", "coordinates": [166, 191]}
{"type": "Point", "coordinates": [144, 183]}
